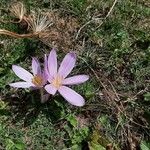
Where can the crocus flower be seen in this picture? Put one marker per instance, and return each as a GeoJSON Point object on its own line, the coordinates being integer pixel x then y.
{"type": "Point", "coordinates": [58, 80]}
{"type": "Point", "coordinates": [36, 80]}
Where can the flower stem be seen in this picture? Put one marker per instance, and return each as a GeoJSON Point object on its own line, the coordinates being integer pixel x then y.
{"type": "Point", "coordinates": [42, 94]}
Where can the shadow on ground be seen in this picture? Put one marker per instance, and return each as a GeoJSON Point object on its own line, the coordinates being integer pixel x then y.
{"type": "Point", "coordinates": [26, 108]}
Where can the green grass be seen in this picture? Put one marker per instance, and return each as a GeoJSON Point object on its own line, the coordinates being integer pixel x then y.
{"type": "Point", "coordinates": [116, 55]}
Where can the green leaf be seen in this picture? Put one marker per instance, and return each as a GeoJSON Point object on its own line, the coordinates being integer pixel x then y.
{"type": "Point", "coordinates": [99, 142]}
{"type": "Point", "coordinates": [76, 147]}
{"type": "Point", "coordinates": [94, 146]}
{"type": "Point", "coordinates": [1, 70]}
{"type": "Point", "coordinates": [72, 120]}
{"type": "Point", "coordinates": [9, 144]}
{"type": "Point", "coordinates": [144, 145]}
{"type": "Point", "coordinates": [20, 145]}
{"type": "Point", "coordinates": [147, 97]}
{"type": "Point", "coordinates": [104, 120]}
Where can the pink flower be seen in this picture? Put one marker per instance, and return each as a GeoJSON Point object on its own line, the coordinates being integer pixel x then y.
{"type": "Point", "coordinates": [58, 80]}
{"type": "Point", "coordinates": [37, 80]}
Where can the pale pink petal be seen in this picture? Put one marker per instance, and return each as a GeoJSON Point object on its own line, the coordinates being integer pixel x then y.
{"type": "Point", "coordinates": [50, 89]}
{"type": "Point", "coordinates": [21, 84]}
{"type": "Point", "coordinates": [44, 78]}
{"type": "Point", "coordinates": [22, 73]}
{"type": "Point", "coordinates": [78, 79]}
{"type": "Point", "coordinates": [50, 79]}
{"type": "Point", "coordinates": [46, 74]}
{"type": "Point", "coordinates": [36, 68]}
{"type": "Point", "coordinates": [45, 71]}
{"type": "Point", "coordinates": [71, 96]}
{"type": "Point", "coordinates": [67, 64]}
{"type": "Point", "coordinates": [45, 65]}
{"type": "Point", "coordinates": [52, 63]}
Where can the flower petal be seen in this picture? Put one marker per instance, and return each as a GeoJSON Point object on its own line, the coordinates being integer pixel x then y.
{"type": "Point", "coordinates": [67, 64]}
{"type": "Point", "coordinates": [22, 73]}
{"type": "Point", "coordinates": [45, 65]}
{"type": "Point", "coordinates": [78, 79]}
{"type": "Point", "coordinates": [36, 69]}
{"type": "Point", "coordinates": [21, 84]}
{"type": "Point", "coordinates": [50, 89]}
{"type": "Point", "coordinates": [52, 63]}
{"type": "Point", "coordinates": [46, 74]}
{"type": "Point", "coordinates": [71, 96]}
{"type": "Point", "coordinates": [45, 71]}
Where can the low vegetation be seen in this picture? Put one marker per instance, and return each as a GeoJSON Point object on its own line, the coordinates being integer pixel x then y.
{"type": "Point", "coordinates": [112, 43]}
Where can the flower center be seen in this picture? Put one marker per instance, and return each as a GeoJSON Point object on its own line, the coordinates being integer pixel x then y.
{"type": "Point", "coordinates": [37, 80]}
{"type": "Point", "coordinates": [57, 82]}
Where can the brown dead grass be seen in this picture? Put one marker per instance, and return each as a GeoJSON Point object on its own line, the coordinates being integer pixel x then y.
{"type": "Point", "coordinates": [61, 33]}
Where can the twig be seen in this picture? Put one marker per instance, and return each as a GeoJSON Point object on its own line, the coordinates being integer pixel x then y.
{"type": "Point", "coordinates": [16, 35]}
{"type": "Point", "coordinates": [140, 92]}
{"type": "Point", "coordinates": [95, 19]}
{"type": "Point", "coordinates": [94, 73]}
{"type": "Point", "coordinates": [114, 90]}
{"type": "Point", "coordinates": [82, 28]}
{"type": "Point", "coordinates": [119, 109]}
{"type": "Point", "coordinates": [112, 7]}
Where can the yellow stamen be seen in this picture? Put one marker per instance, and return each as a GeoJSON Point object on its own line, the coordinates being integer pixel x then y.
{"type": "Point", "coordinates": [37, 80]}
{"type": "Point", "coordinates": [57, 82]}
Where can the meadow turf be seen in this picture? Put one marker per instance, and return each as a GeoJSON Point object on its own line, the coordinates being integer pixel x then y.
{"type": "Point", "coordinates": [113, 49]}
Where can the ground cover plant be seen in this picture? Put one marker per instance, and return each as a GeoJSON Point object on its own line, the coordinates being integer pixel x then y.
{"type": "Point", "coordinates": [111, 41]}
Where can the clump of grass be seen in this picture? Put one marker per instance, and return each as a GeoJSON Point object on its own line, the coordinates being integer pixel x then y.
{"type": "Point", "coordinates": [36, 23]}
{"type": "Point", "coordinates": [49, 27]}
{"type": "Point", "coordinates": [39, 23]}
{"type": "Point", "coordinates": [19, 11]}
